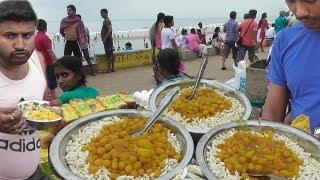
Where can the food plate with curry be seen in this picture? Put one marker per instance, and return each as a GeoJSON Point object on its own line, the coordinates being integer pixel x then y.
{"type": "Point", "coordinates": [235, 151]}
{"type": "Point", "coordinates": [39, 115]}
{"type": "Point", "coordinates": [100, 146]}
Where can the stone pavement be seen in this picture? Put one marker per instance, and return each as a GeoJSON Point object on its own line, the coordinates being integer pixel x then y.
{"type": "Point", "coordinates": [140, 78]}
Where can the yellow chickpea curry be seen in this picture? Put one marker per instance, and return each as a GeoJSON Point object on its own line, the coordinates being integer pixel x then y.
{"type": "Point", "coordinates": [43, 114]}
{"type": "Point", "coordinates": [248, 151]}
{"type": "Point", "coordinates": [206, 103]}
{"type": "Point", "coordinates": [122, 154]}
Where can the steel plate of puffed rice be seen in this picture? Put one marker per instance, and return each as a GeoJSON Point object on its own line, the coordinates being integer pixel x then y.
{"type": "Point", "coordinates": [214, 103]}
{"type": "Point", "coordinates": [234, 151]}
{"type": "Point", "coordinates": [100, 147]}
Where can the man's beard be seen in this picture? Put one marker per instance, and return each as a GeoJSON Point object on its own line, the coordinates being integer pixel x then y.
{"type": "Point", "coordinates": [16, 58]}
{"type": "Point", "coordinates": [312, 23]}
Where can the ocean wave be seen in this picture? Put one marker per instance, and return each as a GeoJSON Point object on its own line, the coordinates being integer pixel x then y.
{"type": "Point", "coordinates": [144, 32]}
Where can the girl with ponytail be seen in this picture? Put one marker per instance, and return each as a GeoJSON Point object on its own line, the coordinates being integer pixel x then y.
{"type": "Point", "coordinates": [72, 81]}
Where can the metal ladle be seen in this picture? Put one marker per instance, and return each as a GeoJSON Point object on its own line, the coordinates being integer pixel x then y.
{"type": "Point", "coordinates": [199, 77]}
{"type": "Point", "coordinates": [163, 106]}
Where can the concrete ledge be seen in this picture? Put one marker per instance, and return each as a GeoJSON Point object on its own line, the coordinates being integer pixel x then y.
{"type": "Point", "coordinates": [189, 54]}
{"type": "Point", "coordinates": [212, 51]}
{"type": "Point", "coordinates": [136, 58]}
{"type": "Point", "coordinates": [125, 60]}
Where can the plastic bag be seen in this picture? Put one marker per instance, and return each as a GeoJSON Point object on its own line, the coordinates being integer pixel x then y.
{"type": "Point", "coordinates": [232, 83]}
{"type": "Point", "coordinates": [142, 98]}
{"type": "Point", "coordinates": [240, 76]}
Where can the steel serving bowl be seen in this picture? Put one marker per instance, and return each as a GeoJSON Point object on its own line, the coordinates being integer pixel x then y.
{"type": "Point", "coordinates": [57, 149]}
{"type": "Point", "coordinates": [27, 106]}
{"type": "Point", "coordinates": [43, 125]}
{"type": "Point", "coordinates": [159, 93]}
{"type": "Point", "coordinates": [308, 142]}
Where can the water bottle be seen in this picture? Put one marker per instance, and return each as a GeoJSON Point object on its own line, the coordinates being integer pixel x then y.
{"type": "Point", "coordinates": [243, 84]}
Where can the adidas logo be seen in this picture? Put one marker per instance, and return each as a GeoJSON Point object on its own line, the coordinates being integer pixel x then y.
{"type": "Point", "coordinates": [20, 146]}
{"type": "Point", "coordinates": [27, 132]}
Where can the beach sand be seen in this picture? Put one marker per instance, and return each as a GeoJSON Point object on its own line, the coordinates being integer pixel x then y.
{"type": "Point", "coordinates": [140, 78]}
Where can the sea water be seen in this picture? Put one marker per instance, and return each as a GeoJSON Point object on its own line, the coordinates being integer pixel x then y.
{"type": "Point", "coordinates": [130, 30]}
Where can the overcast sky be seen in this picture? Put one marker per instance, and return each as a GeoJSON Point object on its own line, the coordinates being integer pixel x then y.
{"type": "Point", "coordinates": [147, 9]}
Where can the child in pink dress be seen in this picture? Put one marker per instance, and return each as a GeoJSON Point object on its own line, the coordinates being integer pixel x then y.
{"type": "Point", "coordinates": [263, 26]}
{"type": "Point", "coordinates": [194, 43]}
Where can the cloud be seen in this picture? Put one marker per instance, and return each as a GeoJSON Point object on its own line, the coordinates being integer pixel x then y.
{"type": "Point", "coordinates": [147, 9]}
{"type": "Point", "coordinates": [54, 10]}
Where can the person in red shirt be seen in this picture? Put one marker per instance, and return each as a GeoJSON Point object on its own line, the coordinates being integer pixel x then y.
{"type": "Point", "coordinates": [248, 34]}
{"type": "Point", "coordinates": [43, 44]}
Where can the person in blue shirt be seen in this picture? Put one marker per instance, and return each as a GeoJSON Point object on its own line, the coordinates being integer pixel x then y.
{"type": "Point", "coordinates": [294, 70]}
{"type": "Point", "coordinates": [230, 28]}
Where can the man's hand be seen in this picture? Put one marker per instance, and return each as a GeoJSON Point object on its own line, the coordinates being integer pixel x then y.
{"type": "Point", "coordinates": [10, 121]}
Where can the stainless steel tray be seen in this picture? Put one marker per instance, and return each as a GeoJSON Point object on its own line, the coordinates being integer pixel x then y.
{"type": "Point", "coordinates": [306, 141]}
{"type": "Point", "coordinates": [57, 150]}
{"type": "Point", "coordinates": [159, 93]}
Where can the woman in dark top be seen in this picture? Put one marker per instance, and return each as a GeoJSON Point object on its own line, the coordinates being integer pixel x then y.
{"type": "Point", "coordinates": [169, 64]}
{"type": "Point", "coordinates": [217, 40]}
{"type": "Point", "coordinates": [155, 40]}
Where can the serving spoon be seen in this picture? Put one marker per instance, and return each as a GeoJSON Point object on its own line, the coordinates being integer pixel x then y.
{"type": "Point", "coordinates": [163, 106]}
{"type": "Point", "coordinates": [199, 77]}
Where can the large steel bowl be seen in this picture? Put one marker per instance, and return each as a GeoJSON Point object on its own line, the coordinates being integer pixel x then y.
{"type": "Point", "coordinates": [159, 93]}
{"type": "Point", "coordinates": [57, 150]}
{"type": "Point", "coordinates": [306, 141]}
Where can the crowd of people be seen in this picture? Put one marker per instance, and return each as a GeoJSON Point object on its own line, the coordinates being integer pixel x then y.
{"type": "Point", "coordinates": [163, 37]}
{"type": "Point", "coordinates": [27, 74]}
{"type": "Point", "coordinates": [77, 43]}
{"type": "Point", "coordinates": [291, 90]}
{"type": "Point", "coordinates": [249, 36]}
{"type": "Point", "coordinates": [77, 38]}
